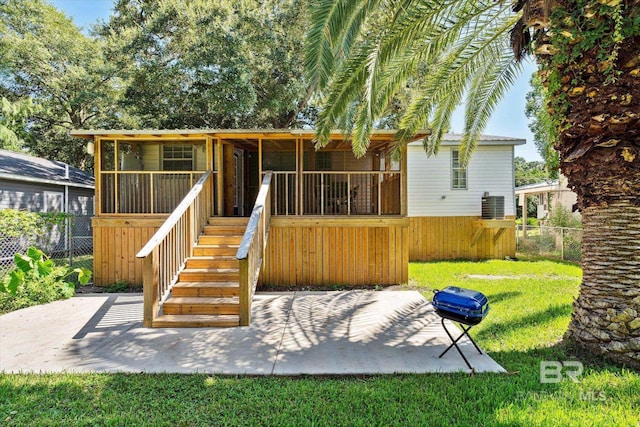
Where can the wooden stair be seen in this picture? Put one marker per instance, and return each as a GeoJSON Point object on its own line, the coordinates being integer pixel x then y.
{"type": "Point", "coordinates": [206, 294]}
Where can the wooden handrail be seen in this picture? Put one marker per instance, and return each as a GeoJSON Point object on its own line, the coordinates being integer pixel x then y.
{"type": "Point", "coordinates": [252, 225]}
{"type": "Point", "coordinates": [252, 248]}
{"type": "Point", "coordinates": [166, 252]}
{"type": "Point", "coordinates": [166, 227]}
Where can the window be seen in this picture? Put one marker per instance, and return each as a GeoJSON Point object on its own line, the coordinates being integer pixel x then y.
{"type": "Point", "coordinates": [324, 160]}
{"type": "Point", "coordinates": [177, 157]}
{"type": "Point", "coordinates": [458, 173]}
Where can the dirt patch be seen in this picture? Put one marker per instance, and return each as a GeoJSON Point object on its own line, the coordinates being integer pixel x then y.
{"type": "Point", "coordinates": [492, 277]}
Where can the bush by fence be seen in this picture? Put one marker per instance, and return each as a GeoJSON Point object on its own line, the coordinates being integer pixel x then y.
{"type": "Point", "coordinates": [556, 242]}
{"type": "Point", "coordinates": [68, 241]}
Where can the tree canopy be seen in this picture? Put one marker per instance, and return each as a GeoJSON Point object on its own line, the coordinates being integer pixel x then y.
{"type": "Point", "coordinates": [153, 64]}
{"type": "Point", "coordinates": [209, 64]}
{"type": "Point", "coordinates": [13, 116]}
{"type": "Point", "coordinates": [47, 60]}
{"type": "Point", "coordinates": [529, 172]}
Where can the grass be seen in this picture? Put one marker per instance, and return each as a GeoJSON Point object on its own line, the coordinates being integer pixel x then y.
{"type": "Point", "coordinates": [531, 305]}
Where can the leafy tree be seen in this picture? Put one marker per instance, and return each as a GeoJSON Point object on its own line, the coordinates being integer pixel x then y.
{"type": "Point", "coordinates": [528, 172]}
{"type": "Point", "coordinates": [211, 64]}
{"type": "Point", "coordinates": [544, 132]}
{"type": "Point", "coordinates": [588, 54]}
{"type": "Point", "coordinates": [13, 117]}
{"type": "Point", "coordinates": [46, 59]}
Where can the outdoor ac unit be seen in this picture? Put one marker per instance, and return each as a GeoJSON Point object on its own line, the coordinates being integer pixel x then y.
{"type": "Point", "coordinates": [493, 207]}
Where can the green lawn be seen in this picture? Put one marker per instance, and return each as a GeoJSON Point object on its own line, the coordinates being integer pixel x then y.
{"type": "Point", "coordinates": [531, 305]}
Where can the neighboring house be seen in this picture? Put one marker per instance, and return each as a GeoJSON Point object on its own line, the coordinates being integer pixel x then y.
{"type": "Point", "coordinates": [549, 194]}
{"type": "Point", "coordinates": [39, 185]}
{"type": "Point", "coordinates": [445, 201]}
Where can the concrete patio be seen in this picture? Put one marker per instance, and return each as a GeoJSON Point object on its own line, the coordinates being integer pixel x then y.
{"type": "Point", "coordinates": [293, 333]}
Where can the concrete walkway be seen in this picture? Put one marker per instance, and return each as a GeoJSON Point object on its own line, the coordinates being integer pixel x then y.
{"type": "Point", "coordinates": [353, 332]}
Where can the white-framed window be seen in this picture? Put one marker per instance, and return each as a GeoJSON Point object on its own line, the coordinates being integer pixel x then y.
{"type": "Point", "coordinates": [53, 201]}
{"type": "Point", "coordinates": [177, 157]}
{"type": "Point", "coordinates": [458, 173]}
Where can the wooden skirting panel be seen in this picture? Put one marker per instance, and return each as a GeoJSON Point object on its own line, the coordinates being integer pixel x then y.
{"type": "Point", "coordinates": [336, 251]}
{"type": "Point", "coordinates": [436, 238]}
{"type": "Point", "coordinates": [116, 241]}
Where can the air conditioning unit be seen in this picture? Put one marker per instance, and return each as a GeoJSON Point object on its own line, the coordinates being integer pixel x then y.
{"type": "Point", "coordinates": [493, 207]}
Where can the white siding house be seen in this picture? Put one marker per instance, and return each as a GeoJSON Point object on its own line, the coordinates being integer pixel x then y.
{"type": "Point", "coordinates": [550, 195]}
{"type": "Point", "coordinates": [445, 201]}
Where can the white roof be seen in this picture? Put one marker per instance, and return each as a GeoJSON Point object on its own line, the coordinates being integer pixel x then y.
{"type": "Point", "coordinates": [449, 139]}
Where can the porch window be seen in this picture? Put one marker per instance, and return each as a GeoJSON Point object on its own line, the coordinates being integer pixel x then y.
{"type": "Point", "coordinates": [458, 173]}
{"type": "Point", "coordinates": [177, 157]}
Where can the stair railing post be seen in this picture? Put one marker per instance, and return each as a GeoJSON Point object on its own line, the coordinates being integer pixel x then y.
{"type": "Point", "coordinates": [244, 293]}
{"type": "Point", "coordinates": [150, 288]}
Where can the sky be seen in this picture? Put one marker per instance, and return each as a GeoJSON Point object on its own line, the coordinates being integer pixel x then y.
{"type": "Point", "coordinates": [508, 119]}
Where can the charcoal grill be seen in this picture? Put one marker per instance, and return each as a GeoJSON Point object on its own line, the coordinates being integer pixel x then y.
{"type": "Point", "coordinates": [463, 306]}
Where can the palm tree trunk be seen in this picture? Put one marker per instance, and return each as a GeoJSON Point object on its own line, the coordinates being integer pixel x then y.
{"type": "Point", "coordinates": [594, 81]}
{"type": "Point", "coordinates": [605, 317]}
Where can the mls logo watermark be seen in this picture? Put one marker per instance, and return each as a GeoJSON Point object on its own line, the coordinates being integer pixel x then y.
{"type": "Point", "coordinates": [553, 371]}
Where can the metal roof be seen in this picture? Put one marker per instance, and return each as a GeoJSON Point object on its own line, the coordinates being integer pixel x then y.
{"type": "Point", "coordinates": [539, 187]}
{"type": "Point", "coordinates": [455, 139]}
{"type": "Point", "coordinates": [23, 167]}
{"type": "Point", "coordinates": [295, 132]}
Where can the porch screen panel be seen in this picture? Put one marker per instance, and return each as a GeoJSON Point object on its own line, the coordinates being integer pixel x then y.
{"type": "Point", "coordinates": [133, 193]}
{"type": "Point", "coordinates": [390, 197]}
{"type": "Point", "coordinates": [107, 193]}
{"type": "Point", "coordinates": [283, 194]}
{"type": "Point", "coordinates": [170, 189]}
{"type": "Point", "coordinates": [279, 156]}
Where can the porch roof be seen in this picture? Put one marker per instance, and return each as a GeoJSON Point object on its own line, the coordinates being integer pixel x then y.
{"type": "Point", "coordinates": [379, 139]}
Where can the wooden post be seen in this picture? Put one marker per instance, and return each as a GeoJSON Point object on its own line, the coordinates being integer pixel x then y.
{"type": "Point", "coordinates": [244, 293]}
{"type": "Point", "coordinates": [219, 181]}
{"type": "Point", "coordinates": [150, 288]}
{"type": "Point", "coordinates": [116, 178]}
{"type": "Point", "coordinates": [228, 177]}
{"type": "Point", "coordinates": [403, 182]}
{"type": "Point", "coordinates": [97, 161]}
{"type": "Point", "coordinates": [524, 216]}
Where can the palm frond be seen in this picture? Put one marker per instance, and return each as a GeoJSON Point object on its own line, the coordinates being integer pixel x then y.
{"type": "Point", "coordinates": [333, 30]}
{"type": "Point", "coordinates": [460, 43]}
{"type": "Point", "coordinates": [489, 85]}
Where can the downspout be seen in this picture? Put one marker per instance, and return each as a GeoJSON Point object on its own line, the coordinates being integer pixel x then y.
{"type": "Point", "coordinates": [66, 211]}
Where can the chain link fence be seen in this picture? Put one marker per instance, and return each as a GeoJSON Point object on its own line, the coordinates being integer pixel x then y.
{"type": "Point", "coordinates": [68, 244]}
{"type": "Point", "coordinates": [554, 242]}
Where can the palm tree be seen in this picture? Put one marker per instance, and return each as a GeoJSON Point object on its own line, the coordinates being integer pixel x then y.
{"type": "Point", "coordinates": [360, 53]}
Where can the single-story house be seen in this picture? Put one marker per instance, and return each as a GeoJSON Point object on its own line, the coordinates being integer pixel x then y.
{"type": "Point", "coordinates": [549, 194]}
{"type": "Point", "coordinates": [445, 201]}
{"type": "Point", "coordinates": [202, 216]}
{"type": "Point", "coordinates": [39, 185]}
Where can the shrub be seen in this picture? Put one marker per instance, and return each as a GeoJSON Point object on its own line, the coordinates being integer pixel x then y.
{"type": "Point", "coordinates": [37, 280]}
{"type": "Point", "coordinates": [16, 223]}
{"type": "Point", "coordinates": [560, 216]}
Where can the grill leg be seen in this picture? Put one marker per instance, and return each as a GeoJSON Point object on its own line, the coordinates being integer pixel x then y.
{"type": "Point", "coordinates": [454, 342]}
